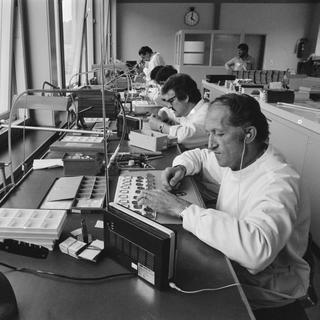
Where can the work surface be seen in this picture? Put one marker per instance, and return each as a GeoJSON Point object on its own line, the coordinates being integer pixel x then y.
{"type": "Point", "coordinates": [129, 297]}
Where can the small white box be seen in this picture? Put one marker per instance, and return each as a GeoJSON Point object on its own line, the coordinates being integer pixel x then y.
{"type": "Point", "coordinates": [75, 248]}
{"type": "Point", "coordinates": [92, 251]}
{"type": "Point", "coordinates": [144, 106]}
{"type": "Point", "coordinates": [275, 85]}
{"type": "Point", "coordinates": [64, 246]}
{"type": "Point", "coordinates": [148, 139]}
{"type": "Point", "coordinates": [301, 95]}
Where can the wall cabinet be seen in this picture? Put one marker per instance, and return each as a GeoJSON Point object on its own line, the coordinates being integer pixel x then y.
{"type": "Point", "coordinates": [198, 53]}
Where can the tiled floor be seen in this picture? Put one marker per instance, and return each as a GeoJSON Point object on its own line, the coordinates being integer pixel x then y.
{"type": "Point", "coordinates": [314, 312]}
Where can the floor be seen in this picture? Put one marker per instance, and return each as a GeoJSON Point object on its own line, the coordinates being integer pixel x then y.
{"type": "Point", "coordinates": [314, 312]}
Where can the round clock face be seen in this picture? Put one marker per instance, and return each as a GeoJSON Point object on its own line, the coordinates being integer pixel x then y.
{"type": "Point", "coordinates": [191, 18]}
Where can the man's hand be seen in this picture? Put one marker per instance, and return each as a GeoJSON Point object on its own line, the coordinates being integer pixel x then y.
{"type": "Point", "coordinates": [172, 176]}
{"type": "Point", "coordinates": [163, 202]}
{"type": "Point", "coordinates": [163, 116]}
{"type": "Point", "coordinates": [155, 123]}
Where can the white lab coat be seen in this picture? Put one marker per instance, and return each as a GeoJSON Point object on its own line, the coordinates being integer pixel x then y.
{"type": "Point", "coordinates": [156, 60]}
{"type": "Point", "coordinates": [261, 223]}
{"type": "Point", "coordinates": [190, 130]}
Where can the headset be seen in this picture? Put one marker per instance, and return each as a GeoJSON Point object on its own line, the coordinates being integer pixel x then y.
{"type": "Point", "coordinates": [247, 136]}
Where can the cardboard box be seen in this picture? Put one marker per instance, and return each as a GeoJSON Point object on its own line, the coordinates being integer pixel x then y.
{"type": "Point", "coordinates": [144, 106]}
{"type": "Point", "coordinates": [148, 139]}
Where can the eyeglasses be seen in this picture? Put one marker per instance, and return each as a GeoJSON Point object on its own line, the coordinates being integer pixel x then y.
{"type": "Point", "coordinates": [170, 101]}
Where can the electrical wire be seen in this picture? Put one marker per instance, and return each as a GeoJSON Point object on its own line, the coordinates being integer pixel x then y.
{"type": "Point", "coordinates": [124, 124]}
{"type": "Point", "coordinates": [174, 286]}
{"type": "Point", "coordinates": [240, 178]}
{"type": "Point", "coordinates": [24, 140]}
{"type": "Point", "coordinates": [59, 275]}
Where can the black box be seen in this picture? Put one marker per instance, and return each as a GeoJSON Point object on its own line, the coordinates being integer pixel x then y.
{"type": "Point", "coordinates": [219, 78]}
{"type": "Point", "coordinates": [140, 244]}
{"type": "Point", "coordinates": [279, 95]}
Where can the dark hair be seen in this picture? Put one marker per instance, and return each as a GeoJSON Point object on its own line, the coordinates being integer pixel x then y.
{"type": "Point", "coordinates": [243, 46]}
{"type": "Point", "coordinates": [154, 72]}
{"type": "Point", "coordinates": [164, 73]}
{"type": "Point", "coordinates": [183, 86]}
{"type": "Point", "coordinates": [144, 50]}
{"type": "Point", "coordinates": [245, 111]}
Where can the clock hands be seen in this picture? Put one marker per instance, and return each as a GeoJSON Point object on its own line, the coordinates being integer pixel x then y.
{"type": "Point", "coordinates": [191, 17]}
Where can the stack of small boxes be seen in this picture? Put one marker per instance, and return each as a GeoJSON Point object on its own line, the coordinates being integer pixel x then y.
{"type": "Point", "coordinates": [79, 249]}
{"type": "Point", "coordinates": [40, 227]}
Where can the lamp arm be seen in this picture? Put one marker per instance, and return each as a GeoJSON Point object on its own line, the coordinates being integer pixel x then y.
{"type": "Point", "coordinates": [13, 109]}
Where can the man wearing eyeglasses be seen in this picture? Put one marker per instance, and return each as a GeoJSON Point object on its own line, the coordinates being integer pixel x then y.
{"type": "Point", "coordinates": [159, 75]}
{"type": "Point", "coordinates": [188, 111]}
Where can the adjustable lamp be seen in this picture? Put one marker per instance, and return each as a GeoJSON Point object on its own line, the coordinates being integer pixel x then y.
{"type": "Point", "coordinates": [58, 103]}
{"type": "Point", "coordinates": [54, 103]}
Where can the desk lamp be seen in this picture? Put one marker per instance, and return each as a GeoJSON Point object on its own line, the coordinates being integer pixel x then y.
{"type": "Point", "coordinates": [57, 103]}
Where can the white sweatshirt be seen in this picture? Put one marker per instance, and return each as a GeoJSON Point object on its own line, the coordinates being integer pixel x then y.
{"type": "Point", "coordinates": [190, 130]}
{"type": "Point", "coordinates": [260, 223]}
{"type": "Point", "coordinates": [156, 60]}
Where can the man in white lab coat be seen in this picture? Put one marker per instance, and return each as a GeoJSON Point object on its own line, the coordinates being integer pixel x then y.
{"type": "Point", "coordinates": [262, 217]}
{"type": "Point", "coordinates": [151, 60]}
{"type": "Point", "coordinates": [185, 118]}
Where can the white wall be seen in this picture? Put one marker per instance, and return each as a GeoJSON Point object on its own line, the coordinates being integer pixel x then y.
{"type": "Point", "coordinates": [283, 24]}
{"type": "Point", "coordinates": [155, 25]}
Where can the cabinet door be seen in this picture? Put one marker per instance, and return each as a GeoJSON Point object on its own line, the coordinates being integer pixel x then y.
{"type": "Point", "coordinates": [224, 48]}
{"type": "Point", "coordinates": [256, 43]}
{"type": "Point", "coordinates": [196, 49]}
{"type": "Point", "coordinates": [289, 140]}
{"type": "Point", "coordinates": [311, 177]}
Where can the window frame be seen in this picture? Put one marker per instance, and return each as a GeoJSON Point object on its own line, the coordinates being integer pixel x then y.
{"type": "Point", "coordinates": [7, 9]}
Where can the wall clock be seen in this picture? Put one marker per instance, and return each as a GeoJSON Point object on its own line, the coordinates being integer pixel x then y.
{"type": "Point", "coordinates": [191, 18]}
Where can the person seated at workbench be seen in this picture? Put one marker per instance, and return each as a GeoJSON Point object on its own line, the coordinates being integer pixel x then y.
{"type": "Point", "coordinates": [150, 60]}
{"type": "Point", "coordinates": [262, 216]}
{"type": "Point", "coordinates": [186, 122]}
{"type": "Point", "coordinates": [159, 75]}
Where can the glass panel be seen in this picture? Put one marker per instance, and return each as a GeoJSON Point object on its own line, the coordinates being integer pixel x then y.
{"type": "Point", "coordinates": [224, 48]}
{"type": "Point", "coordinates": [6, 38]}
{"type": "Point", "coordinates": [67, 36]}
{"type": "Point", "coordinates": [256, 44]}
{"type": "Point", "coordinates": [197, 49]}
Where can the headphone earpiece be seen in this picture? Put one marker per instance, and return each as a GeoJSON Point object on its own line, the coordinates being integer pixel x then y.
{"type": "Point", "coordinates": [246, 137]}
